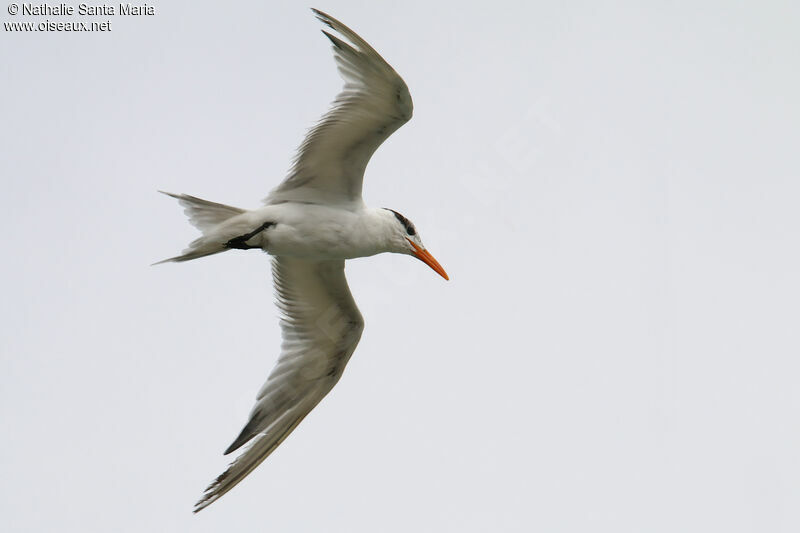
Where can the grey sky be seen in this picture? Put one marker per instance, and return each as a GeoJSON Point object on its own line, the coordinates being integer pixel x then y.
{"type": "Point", "coordinates": [613, 190]}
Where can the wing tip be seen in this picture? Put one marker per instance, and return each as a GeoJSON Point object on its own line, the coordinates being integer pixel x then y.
{"type": "Point", "coordinates": [170, 194]}
{"type": "Point", "coordinates": [345, 32]}
{"type": "Point", "coordinates": [204, 502]}
{"type": "Point", "coordinates": [321, 15]}
{"type": "Point", "coordinates": [325, 18]}
{"type": "Point", "coordinates": [213, 492]}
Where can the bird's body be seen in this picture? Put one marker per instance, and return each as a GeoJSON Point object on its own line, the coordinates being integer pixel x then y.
{"type": "Point", "coordinates": [310, 224]}
{"type": "Point", "coordinates": [306, 230]}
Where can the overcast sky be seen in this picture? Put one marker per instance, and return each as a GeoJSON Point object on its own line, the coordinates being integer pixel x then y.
{"type": "Point", "coordinates": [614, 191]}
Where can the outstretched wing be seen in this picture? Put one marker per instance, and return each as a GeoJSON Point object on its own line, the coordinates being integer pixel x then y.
{"type": "Point", "coordinates": [321, 327]}
{"type": "Point", "coordinates": [329, 166]}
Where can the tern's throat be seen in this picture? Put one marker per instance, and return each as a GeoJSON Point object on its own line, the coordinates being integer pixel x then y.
{"type": "Point", "coordinates": [378, 233]}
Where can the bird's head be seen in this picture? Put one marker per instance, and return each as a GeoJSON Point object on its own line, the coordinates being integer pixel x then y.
{"type": "Point", "coordinates": [404, 239]}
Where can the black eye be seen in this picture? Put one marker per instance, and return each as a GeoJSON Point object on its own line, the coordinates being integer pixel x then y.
{"type": "Point", "coordinates": [405, 222]}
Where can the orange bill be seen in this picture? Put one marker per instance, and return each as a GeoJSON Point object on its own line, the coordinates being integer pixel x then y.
{"type": "Point", "coordinates": [426, 257]}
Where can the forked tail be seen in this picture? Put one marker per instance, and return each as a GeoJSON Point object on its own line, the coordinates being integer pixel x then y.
{"type": "Point", "coordinates": [207, 217]}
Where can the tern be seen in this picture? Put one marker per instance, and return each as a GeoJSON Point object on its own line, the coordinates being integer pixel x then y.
{"type": "Point", "coordinates": [310, 224]}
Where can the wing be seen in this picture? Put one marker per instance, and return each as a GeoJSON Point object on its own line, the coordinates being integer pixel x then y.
{"type": "Point", "coordinates": [321, 327]}
{"type": "Point", "coordinates": [329, 166]}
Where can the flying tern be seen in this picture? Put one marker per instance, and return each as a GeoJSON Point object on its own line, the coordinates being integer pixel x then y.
{"type": "Point", "coordinates": [310, 224]}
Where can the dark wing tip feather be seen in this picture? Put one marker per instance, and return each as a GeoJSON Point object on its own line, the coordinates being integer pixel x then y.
{"type": "Point", "coordinates": [338, 43]}
{"type": "Point", "coordinates": [322, 16]}
{"type": "Point", "coordinates": [247, 433]}
{"type": "Point", "coordinates": [211, 494]}
{"type": "Point", "coordinates": [235, 445]}
{"type": "Point", "coordinates": [346, 32]}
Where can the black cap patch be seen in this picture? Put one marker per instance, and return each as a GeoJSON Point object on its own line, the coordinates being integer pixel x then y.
{"type": "Point", "coordinates": [410, 229]}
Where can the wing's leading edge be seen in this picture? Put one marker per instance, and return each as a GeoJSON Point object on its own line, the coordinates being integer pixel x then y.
{"type": "Point", "coordinates": [374, 103]}
{"type": "Point", "coordinates": [321, 327]}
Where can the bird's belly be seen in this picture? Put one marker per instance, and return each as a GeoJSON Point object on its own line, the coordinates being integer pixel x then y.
{"type": "Point", "coordinates": [323, 243]}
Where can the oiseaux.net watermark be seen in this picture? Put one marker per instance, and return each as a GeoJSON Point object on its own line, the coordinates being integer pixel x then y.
{"type": "Point", "coordinates": [70, 17]}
